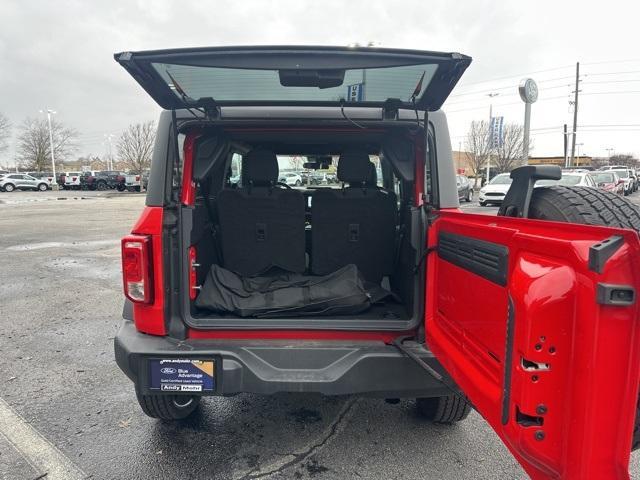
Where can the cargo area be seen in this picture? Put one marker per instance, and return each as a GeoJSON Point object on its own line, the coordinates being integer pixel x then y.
{"type": "Point", "coordinates": [312, 228]}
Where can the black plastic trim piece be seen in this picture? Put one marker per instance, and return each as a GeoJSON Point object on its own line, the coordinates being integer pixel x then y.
{"type": "Point", "coordinates": [603, 251]}
{"type": "Point", "coordinates": [516, 201]}
{"type": "Point", "coordinates": [616, 295]}
{"type": "Point", "coordinates": [486, 259]}
{"type": "Point", "coordinates": [508, 358]}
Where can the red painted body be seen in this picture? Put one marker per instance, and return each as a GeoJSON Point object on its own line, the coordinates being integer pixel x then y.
{"type": "Point", "coordinates": [590, 388]}
{"type": "Point", "coordinates": [150, 318]}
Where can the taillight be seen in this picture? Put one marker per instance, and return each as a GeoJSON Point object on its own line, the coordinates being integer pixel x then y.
{"type": "Point", "coordinates": [137, 273]}
{"type": "Point", "coordinates": [137, 178]}
{"type": "Point", "coordinates": [73, 179]}
{"type": "Point", "coordinates": [193, 277]}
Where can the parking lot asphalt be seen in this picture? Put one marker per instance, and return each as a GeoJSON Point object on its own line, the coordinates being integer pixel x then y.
{"type": "Point", "coordinates": [70, 413]}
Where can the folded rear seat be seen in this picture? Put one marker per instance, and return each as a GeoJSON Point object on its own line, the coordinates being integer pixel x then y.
{"type": "Point", "coordinates": [356, 224]}
{"type": "Point", "coordinates": [262, 224]}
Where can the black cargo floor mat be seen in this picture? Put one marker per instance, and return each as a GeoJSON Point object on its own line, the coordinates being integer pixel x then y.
{"type": "Point", "coordinates": [284, 294]}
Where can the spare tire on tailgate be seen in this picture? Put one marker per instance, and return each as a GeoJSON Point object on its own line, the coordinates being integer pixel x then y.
{"type": "Point", "coordinates": [588, 206]}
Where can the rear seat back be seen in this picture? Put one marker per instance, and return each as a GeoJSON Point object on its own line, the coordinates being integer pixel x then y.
{"type": "Point", "coordinates": [356, 224]}
{"type": "Point", "coordinates": [261, 224]}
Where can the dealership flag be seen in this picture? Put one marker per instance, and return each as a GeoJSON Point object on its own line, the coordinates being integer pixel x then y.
{"type": "Point", "coordinates": [354, 92]}
{"type": "Point", "coordinates": [496, 132]}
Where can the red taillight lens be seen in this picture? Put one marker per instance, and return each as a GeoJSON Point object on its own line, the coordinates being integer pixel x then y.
{"type": "Point", "coordinates": [136, 268]}
{"type": "Point", "coordinates": [137, 178]}
{"type": "Point", "coordinates": [73, 179]}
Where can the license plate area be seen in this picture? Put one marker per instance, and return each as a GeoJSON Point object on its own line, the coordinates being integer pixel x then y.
{"type": "Point", "coordinates": [182, 375]}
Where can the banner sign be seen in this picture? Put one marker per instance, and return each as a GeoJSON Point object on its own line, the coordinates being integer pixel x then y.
{"type": "Point", "coordinates": [355, 92]}
{"type": "Point", "coordinates": [496, 132]}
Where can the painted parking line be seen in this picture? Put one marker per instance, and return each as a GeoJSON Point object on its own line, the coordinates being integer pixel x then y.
{"type": "Point", "coordinates": [41, 454]}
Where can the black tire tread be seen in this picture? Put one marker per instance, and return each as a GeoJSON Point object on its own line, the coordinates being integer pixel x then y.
{"type": "Point", "coordinates": [448, 409]}
{"type": "Point", "coordinates": [585, 205]}
{"type": "Point", "coordinates": [588, 206]}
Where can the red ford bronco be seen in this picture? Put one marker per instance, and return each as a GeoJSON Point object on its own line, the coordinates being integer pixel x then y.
{"type": "Point", "coordinates": [377, 284]}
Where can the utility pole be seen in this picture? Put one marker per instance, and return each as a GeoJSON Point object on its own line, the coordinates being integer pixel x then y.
{"type": "Point", "coordinates": [54, 182]}
{"type": "Point", "coordinates": [575, 114]}
{"type": "Point", "coordinates": [566, 146]}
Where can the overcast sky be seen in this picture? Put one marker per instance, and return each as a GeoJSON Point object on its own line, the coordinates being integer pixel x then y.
{"type": "Point", "coordinates": [59, 54]}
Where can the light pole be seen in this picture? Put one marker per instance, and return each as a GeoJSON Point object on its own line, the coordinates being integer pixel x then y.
{"type": "Point", "coordinates": [490, 95]}
{"type": "Point", "coordinates": [109, 136]}
{"type": "Point", "coordinates": [609, 150]}
{"type": "Point", "coordinates": [528, 90]}
{"type": "Point", "coordinates": [578, 145]}
{"type": "Point", "coordinates": [54, 182]}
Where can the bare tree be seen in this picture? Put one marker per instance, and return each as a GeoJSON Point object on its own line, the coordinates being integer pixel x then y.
{"type": "Point", "coordinates": [625, 159]}
{"type": "Point", "coordinates": [34, 147]}
{"type": "Point", "coordinates": [135, 146]}
{"type": "Point", "coordinates": [477, 147]}
{"type": "Point", "coordinates": [509, 154]}
{"type": "Point", "coordinates": [296, 163]}
{"type": "Point", "coordinates": [5, 132]}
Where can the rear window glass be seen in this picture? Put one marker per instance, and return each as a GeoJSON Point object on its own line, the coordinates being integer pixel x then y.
{"type": "Point", "coordinates": [233, 84]}
{"type": "Point", "coordinates": [292, 166]}
{"type": "Point", "coordinates": [603, 178]}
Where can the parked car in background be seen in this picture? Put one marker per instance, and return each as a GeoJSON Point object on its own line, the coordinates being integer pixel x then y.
{"type": "Point", "coordinates": [291, 179]}
{"type": "Point", "coordinates": [495, 190]}
{"type": "Point", "coordinates": [132, 181]}
{"type": "Point", "coordinates": [48, 176]}
{"type": "Point", "coordinates": [71, 181]}
{"type": "Point", "coordinates": [88, 179]}
{"type": "Point", "coordinates": [110, 179]}
{"type": "Point", "coordinates": [571, 178]}
{"type": "Point", "coordinates": [22, 181]}
{"type": "Point", "coordinates": [609, 181]}
{"type": "Point", "coordinates": [465, 190]}
{"type": "Point", "coordinates": [625, 175]}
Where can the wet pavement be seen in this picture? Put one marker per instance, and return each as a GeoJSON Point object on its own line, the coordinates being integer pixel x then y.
{"type": "Point", "coordinates": [60, 297]}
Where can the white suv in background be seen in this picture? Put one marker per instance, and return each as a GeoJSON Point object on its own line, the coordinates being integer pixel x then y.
{"type": "Point", "coordinates": [291, 179]}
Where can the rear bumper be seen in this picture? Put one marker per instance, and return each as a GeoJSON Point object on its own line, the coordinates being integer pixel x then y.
{"type": "Point", "coordinates": [267, 367]}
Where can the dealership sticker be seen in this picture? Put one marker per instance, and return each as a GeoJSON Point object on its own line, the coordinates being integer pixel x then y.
{"type": "Point", "coordinates": [181, 375]}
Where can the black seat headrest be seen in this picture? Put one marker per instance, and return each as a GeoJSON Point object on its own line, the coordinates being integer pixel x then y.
{"type": "Point", "coordinates": [354, 167]}
{"type": "Point", "coordinates": [372, 181]}
{"type": "Point", "coordinates": [260, 167]}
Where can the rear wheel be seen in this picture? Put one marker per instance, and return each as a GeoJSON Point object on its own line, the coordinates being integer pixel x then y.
{"type": "Point", "coordinates": [448, 409]}
{"type": "Point", "coordinates": [469, 195]}
{"type": "Point", "coordinates": [168, 407]}
{"type": "Point", "coordinates": [101, 186]}
{"type": "Point", "coordinates": [588, 206]}
{"type": "Point", "coordinates": [483, 204]}
{"type": "Point", "coordinates": [8, 187]}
